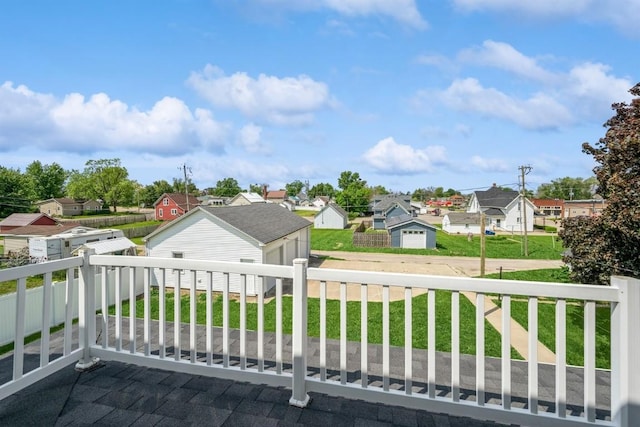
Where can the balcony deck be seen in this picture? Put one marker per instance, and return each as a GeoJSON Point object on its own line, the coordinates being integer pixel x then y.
{"type": "Point", "coordinates": [122, 394]}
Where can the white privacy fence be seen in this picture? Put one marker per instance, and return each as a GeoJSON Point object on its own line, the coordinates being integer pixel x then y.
{"type": "Point", "coordinates": [267, 340]}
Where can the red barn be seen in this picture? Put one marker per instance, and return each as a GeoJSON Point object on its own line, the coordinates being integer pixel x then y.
{"type": "Point", "coordinates": [23, 219]}
{"type": "Point", "coordinates": [172, 205]}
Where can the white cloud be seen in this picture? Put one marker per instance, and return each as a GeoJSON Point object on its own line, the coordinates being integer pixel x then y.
{"type": "Point", "coordinates": [540, 111]}
{"type": "Point", "coordinates": [489, 165]}
{"type": "Point", "coordinates": [284, 101]}
{"type": "Point", "coordinates": [506, 57]}
{"type": "Point", "coordinates": [622, 14]}
{"type": "Point", "coordinates": [249, 137]}
{"type": "Point", "coordinates": [387, 156]}
{"type": "Point", "coordinates": [403, 11]}
{"type": "Point", "coordinates": [77, 124]}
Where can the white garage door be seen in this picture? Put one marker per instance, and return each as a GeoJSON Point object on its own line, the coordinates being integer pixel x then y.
{"type": "Point", "coordinates": [416, 239]}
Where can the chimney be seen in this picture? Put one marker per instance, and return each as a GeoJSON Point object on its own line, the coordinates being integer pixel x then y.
{"type": "Point", "coordinates": [264, 191]}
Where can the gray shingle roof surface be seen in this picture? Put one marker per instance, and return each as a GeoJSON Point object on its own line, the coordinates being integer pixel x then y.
{"type": "Point", "coordinates": [495, 197]}
{"type": "Point", "coordinates": [464, 217]}
{"type": "Point", "coordinates": [388, 201]}
{"type": "Point", "coordinates": [265, 222]}
{"type": "Point", "coordinates": [402, 219]}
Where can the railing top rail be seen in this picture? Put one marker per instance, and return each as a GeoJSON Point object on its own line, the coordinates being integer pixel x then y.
{"type": "Point", "coordinates": [15, 273]}
{"type": "Point", "coordinates": [270, 270]}
{"type": "Point", "coordinates": [464, 284]}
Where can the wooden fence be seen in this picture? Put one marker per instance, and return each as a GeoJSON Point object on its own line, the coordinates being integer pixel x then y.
{"type": "Point", "coordinates": [370, 240]}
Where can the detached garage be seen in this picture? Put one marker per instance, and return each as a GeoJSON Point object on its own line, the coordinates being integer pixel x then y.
{"type": "Point", "coordinates": [261, 233]}
{"type": "Point", "coordinates": [411, 233]}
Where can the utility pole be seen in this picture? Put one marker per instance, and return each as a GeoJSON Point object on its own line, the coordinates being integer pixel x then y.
{"type": "Point", "coordinates": [186, 183]}
{"type": "Point", "coordinates": [524, 170]}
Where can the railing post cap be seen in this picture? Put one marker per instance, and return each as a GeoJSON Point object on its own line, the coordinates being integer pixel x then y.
{"type": "Point", "coordinates": [300, 260]}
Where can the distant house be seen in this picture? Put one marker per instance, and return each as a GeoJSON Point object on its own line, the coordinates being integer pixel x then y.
{"type": "Point", "coordinates": [408, 231]}
{"type": "Point", "coordinates": [261, 233]}
{"type": "Point", "coordinates": [210, 200]}
{"type": "Point", "coordinates": [461, 223]}
{"type": "Point", "coordinates": [170, 206]}
{"type": "Point", "coordinates": [320, 201]}
{"type": "Point", "coordinates": [242, 199]}
{"type": "Point", "coordinates": [331, 216]}
{"type": "Point", "coordinates": [68, 207]}
{"type": "Point", "coordinates": [502, 209]}
{"type": "Point", "coordinates": [16, 220]}
{"type": "Point", "coordinates": [388, 206]}
{"type": "Point", "coordinates": [589, 207]}
{"type": "Point", "coordinates": [550, 207]}
{"type": "Point", "coordinates": [457, 200]}
{"type": "Point", "coordinates": [276, 196]}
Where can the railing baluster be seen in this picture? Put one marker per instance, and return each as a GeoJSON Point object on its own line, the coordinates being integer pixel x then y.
{"type": "Point", "coordinates": [480, 362]}
{"type": "Point", "coordinates": [104, 289]}
{"type": "Point", "coordinates": [590, 360]}
{"type": "Point", "coordinates": [279, 326]}
{"type": "Point", "coordinates": [193, 351]}
{"type": "Point", "coordinates": [343, 333]}
{"type": "Point", "coordinates": [506, 352]}
{"type": "Point", "coordinates": [209, 317]}
{"type": "Point", "coordinates": [260, 325]}
{"type": "Point", "coordinates": [455, 346]}
{"type": "Point", "coordinates": [408, 341]}
{"type": "Point", "coordinates": [46, 320]}
{"type": "Point", "coordinates": [561, 358]}
{"type": "Point", "coordinates": [147, 311]}
{"type": "Point", "coordinates": [243, 321]}
{"type": "Point", "coordinates": [18, 344]}
{"type": "Point", "coordinates": [177, 314]}
{"type": "Point", "coordinates": [431, 345]}
{"type": "Point", "coordinates": [385, 338]}
{"type": "Point", "coordinates": [533, 355]}
{"type": "Point", "coordinates": [364, 336]}
{"type": "Point", "coordinates": [132, 310]}
{"type": "Point", "coordinates": [118, 296]}
{"type": "Point", "coordinates": [323, 331]}
{"type": "Point", "coordinates": [225, 320]}
{"type": "Point", "coordinates": [68, 314]}
{"type": "Point", "coordinates": [162, 314]}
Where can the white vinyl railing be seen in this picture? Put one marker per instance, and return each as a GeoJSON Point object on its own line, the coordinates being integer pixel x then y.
{"type": "Point", "coordinates": [263, 344]}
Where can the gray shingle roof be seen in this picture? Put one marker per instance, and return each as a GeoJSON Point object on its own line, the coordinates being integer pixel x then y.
{"type": "Point", "coordinates": [265, 222]}
{"type": "Point", "coordinates": [388, 201]}
{"type": "Point", "coordinates": [495, 197]}
{"type": "Point", "coordinates": [464, 217]}
{"type": "Point", "coordinates": [403, 219]}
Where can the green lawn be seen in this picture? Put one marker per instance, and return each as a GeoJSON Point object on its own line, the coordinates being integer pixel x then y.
{"type": "Point", "coordinates": [500, 246]}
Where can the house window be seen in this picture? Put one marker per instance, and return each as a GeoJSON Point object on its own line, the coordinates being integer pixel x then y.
{"type": "Point", "coordinates": [174, 212]}
{"type": "Point", "coordinates": [466, 226]}
{"type": "Point", "coordinates": [175, 254]}
{"type": "Point", "coordinates": [165, 202]}
{"type": "Point", "coordinates": [160, 213]}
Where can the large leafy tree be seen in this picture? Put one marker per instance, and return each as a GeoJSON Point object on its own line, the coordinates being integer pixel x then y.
{"type": "Point", "coordinates": [227, 187]}
{"type": "Point", "coordinates": [45, 181]}
{"type": "Point", "coordinates": [354, 195]}
{"type": "Point", "coordinates": [610, 243]}
{"type": "Point", "coordinates": [322, 189]}
{"type": "Point", "coordinates": [104, 179]}
{"type": "Point", "coordinates": [152, 192]}
{"type": "Point", "coordinates": [294, 188]}
{"type": "Point", "coordinates": [14, 191]}
{"type": "Point", "coordinates": [567, 188]}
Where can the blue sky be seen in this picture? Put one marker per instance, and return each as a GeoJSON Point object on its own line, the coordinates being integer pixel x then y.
{"type": "Point", "coordinates": [409, 94]}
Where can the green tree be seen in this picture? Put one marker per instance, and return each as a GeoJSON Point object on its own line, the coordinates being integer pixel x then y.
{"type": "Point", "coordinates": [14, 197]}
{"type": "Point", "coordinates": [567, 188]}
{"type": "Point", "coordinates": [609, 244]}
{"type": "Point", "coordinates": [227, 187]}
{"type": "Point", "coordinates": [256, 188]}
{"type": "Point", "coordinates": [152, 192]}
{"type": "Point", "coordinates": [104, 179]}
{"type": "Point", "coordinates": [423, 194]}
{"type": "Point", "coordinates": [45, 181]}
{"type": "Point", "coordinates": [294, 188]}
{"type": "Point", "coordinates": [378, 190]}
{"type": "Point", "coordinates": [321, 189]}
{"type": "Point", "coordinates": [178, 187]}
{"type": "Point", "coordinates": [354, 195]}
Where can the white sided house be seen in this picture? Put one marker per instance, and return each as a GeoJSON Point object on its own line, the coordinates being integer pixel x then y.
{"type": "Point", "coordinates": [503, 209]}
{"type": "Point", "coordinates": [461, 223]}
{"type": "Point", "coordinates": [331, 216]}
{"type": "Point", "coordinates": [261, 233]}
